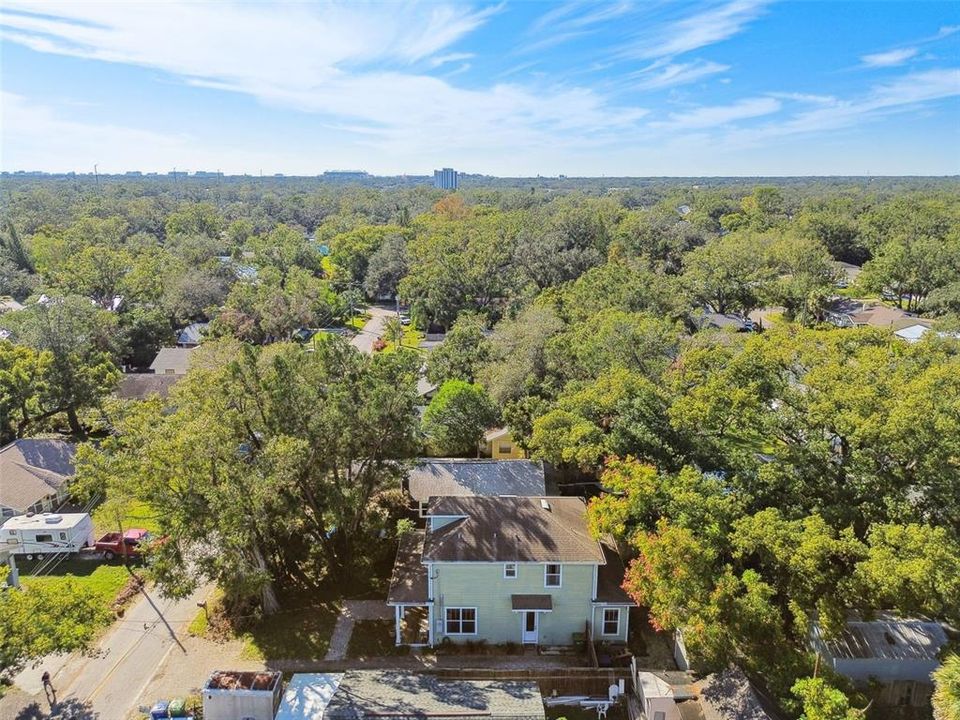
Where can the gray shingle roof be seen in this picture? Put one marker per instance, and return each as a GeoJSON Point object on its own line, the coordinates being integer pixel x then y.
{"type": "Point", "coordinates": [729, 695]}
{"type": "Point", "coordinates": [140, 386]}
{"type": "Point", "coordinates": [33, 469]}
{"type": "Point", "coordinates": [408, 583]}
{"type": "Point", "coordinates": [369, 693]}
{"type": "Point", "coordinates": [453, 477]}
{"type": "Point", "coordinates": [511, 529]}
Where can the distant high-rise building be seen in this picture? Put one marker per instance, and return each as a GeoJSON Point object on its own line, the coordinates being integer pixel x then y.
{"type": "Point", "coordinates": [446, 179]}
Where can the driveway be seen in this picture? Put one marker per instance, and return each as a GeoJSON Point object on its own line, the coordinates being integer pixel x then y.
{"type": "Point", "coordinates": [363, 340]}
{"type": "Point", "coordinates": [106, 685]}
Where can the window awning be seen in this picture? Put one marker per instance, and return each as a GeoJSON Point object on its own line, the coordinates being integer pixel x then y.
{"type": "Point", "coordinates": [532, 602]}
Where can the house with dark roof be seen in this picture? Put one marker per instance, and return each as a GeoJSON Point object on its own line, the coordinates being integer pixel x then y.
{"type": "Point", "coordinates": [456, 477]}
{"type": "Point", "coordinates": [507, 569]}
{"type": "Point", "coordinates": [34, 474]}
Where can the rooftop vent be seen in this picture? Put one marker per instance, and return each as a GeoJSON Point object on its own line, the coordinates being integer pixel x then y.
{"type": "Point", "coordinates": [51, 518]}
{"type": "Point", "coordinates": [544, 504]}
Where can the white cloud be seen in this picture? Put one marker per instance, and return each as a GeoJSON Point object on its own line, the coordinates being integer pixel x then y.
{"type": "Point", "coordinates": [449, 58]}
{"type": "Point", "coordinates": [328, 60]}
{"type": "Point", "coordinates": [897, 96]}
{"type": "Point", "coordinates": [663, 76]}
{"type": "Point", "coordinates": [891, 58]}
{"type": "Point", "coordinates": [704, 28]}
{"type": "Point", "coordinates": [712, 116]}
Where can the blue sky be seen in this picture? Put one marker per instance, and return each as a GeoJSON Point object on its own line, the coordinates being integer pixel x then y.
{"type": "Point", "coordinates": [732, 87]}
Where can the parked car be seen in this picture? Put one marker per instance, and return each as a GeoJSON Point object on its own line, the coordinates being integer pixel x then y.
{"type": "Point", "coordinates": [131, 544]}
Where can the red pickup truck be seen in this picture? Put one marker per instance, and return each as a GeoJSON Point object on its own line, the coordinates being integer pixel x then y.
{"type": "Point", "coordinates": [130, 544]}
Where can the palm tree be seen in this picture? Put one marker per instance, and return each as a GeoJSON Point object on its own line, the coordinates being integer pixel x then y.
{"type": "Point", "coordinates": [393, 331]}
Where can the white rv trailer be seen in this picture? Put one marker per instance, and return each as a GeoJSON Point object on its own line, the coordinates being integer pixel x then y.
{"type": "Point", "coordinates": [36, 535]}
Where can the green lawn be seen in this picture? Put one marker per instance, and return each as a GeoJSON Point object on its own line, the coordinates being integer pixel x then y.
{"type": "Point", "coordinates": [411, 339]}
{"type": "Point", "coordinates": [358, 321]}
{"type": "Point", "coordinates": [303, 633]}
{"type": "Point", "coordinates": [104, 580]}
{"type": "Point", "coordinates": [139, 515]}
{"type": "Point", "coordinates": [374, 638]}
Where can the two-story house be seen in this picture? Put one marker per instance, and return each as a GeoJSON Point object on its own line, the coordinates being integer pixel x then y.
{"type": "Point", "coordinates": [507, 569]}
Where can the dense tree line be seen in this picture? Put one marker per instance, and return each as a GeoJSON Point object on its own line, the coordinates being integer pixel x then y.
{"type": "Point", "coordinates": [756, 482]}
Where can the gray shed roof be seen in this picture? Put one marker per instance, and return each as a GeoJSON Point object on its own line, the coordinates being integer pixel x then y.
{"type": "Point", "coordinates": [886, 638]}
{"type": "Point", "coordinates": [192, 334]}
{"type": "Point", "coordinates": [371, 693]}
{"type": "Point", "coordinates": [33, 469]}
{"type": "Point", "coordinates": [511, 529]}
{"type": "Point", "coordinates": [446, 477]}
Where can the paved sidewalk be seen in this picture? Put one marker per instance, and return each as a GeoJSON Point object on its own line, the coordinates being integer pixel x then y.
{"type": "Point", "coordinates": [371, 332]}
{"type": "Point", "coordinates": [352, 611]}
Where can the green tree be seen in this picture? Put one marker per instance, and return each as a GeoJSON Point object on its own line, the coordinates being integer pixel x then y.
{"type": "Point", "coordinates": [40, 620]}
{"type": "Point", "coordinates": [463, 351]}
{"type": "Point", "coordinates": [82, 343]}
{"type": "Point", "coordinates": [455, 419]}
{"type": "Point", "coordinates": [299, 451]}
{"type": "Point", "coordinates": [23, 388]}
{"type": "Point", "coordinates": [729, 274]}
{"type": "Point", "coordinates": [387, 267]}
{"type": "Point", "coordinates": [823, 702]}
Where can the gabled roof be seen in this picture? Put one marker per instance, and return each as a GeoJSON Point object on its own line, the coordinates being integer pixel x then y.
{"type": "Point", "coordinates": [496, 433]}
{"type": "Point", "coordinates": [33, 469]}
{"type": "Point", "coordinates": [511, 529]}
{"type": "Point", "coordinates": [610, 578]}
{"type": "Point", "coordinates": [444, 477]}
{"type": "Point", "coordinates": [176, 358]}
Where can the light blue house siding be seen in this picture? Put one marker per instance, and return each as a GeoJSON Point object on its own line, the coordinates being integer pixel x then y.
{"type": "Point", "coordinates": [483, 587]}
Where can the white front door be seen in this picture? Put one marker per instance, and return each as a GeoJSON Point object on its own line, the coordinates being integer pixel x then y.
{"type": "Point", "coordinates": [531, 626]}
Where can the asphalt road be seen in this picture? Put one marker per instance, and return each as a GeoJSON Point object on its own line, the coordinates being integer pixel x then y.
{"type": "Point", "coordinates": [106, 685]}
{"type": "Point", "coordinates": [364, 339]}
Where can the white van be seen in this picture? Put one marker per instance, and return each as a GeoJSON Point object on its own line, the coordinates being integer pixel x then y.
{"type": "Point", "coordinates": [36, 535]}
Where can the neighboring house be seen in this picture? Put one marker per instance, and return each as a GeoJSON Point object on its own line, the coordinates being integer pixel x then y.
{"type": "Point", "coordinates": [140, 386]}
{"type": "Point", "coordinates": [454, 477]}
{"type": "Point", "coordinates": [191, 335]}
{"type": "Point", "coordinates": [507, 569]}
{"type": "Point", "coordinates": [727, 695]}
{"type": "Point", "coordinates": [500, 444]}
{"type": "Point", "coordinates": [898, 654]}
{"type": "Point", "coordinates": [847, 313]}
{"type": "Point", "coordinates": [365, 694]}
{"type": "Point", "coordinates": [34, 474]}
{"type": "Point", "coordinates": [172, 361]}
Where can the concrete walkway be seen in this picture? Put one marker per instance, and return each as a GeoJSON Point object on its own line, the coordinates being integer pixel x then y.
{"type": "Point", "coordinates": [353, 610]}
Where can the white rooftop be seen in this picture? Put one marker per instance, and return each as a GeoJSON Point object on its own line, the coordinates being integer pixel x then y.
{"type": "Point", "coordinates": [307, 695]}
{"type": "Point", "coordinates": [61, 521]}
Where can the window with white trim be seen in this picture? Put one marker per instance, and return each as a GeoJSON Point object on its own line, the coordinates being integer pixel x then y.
{"type": "Point", "coordinates": [461, 621]}
{"type": "Point", "coordinates": [510, 571]}
{"type": "Point", "coordinates": [552, 575]}
{"type": "Point", "coordinates": [611, 621]}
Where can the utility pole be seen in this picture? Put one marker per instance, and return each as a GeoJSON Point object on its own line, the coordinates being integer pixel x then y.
{"type": "Point", "coordinates": [96, 175]}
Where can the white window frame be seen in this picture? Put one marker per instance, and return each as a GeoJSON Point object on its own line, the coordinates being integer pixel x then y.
{"type": "Point", "coordinates": [547, 574]}
{"type": "Point", "coordinates": [510, 566]}
{"type": "Point", "coordinates": [460, 621]}
{"type": "Point", "coordinates": [603, 625]}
